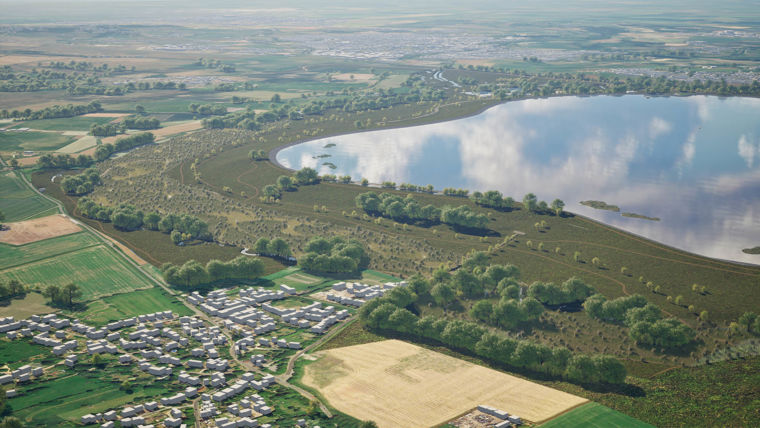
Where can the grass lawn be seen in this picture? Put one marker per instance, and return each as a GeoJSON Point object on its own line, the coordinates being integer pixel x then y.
{"type": "Point", "coordinates": [62, 401]}
{"type": "Point", "coordinates": [96, 270]}
{"type": "Point", "coordinates": [19, 352]}
{"type": "Point", "coordinates": [18, 202]}
{"type": "Point", "coordinates": [21, 308]}
{"type": "Point", "coordinates": [79, 123]}
{"type": "Point", "coordinates": [11, 141]}
{"type": "Point", "coordinates": [130, 304]}
{"type": "Point", "coordinates": [594, 415]}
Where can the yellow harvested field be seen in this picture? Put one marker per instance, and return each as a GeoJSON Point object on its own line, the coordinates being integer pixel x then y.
{"type": "Point", "coordinates": [106, 114]}
{"type": "Point", "coordinates": [162, 132]}
{"type": "Point", "coordinates": [24, 232]}
{"type": "Point", "coordinates": [77, 146]}
{"type": "Point", "coordinates": [397, 384]}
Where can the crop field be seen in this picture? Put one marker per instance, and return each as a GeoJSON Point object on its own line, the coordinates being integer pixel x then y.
{"type": "Point", "coordinates": [28, 231]}
{"type": "Point", "coordinates": [11, 255]}
{"type": "Point", "coordinates": [131, 304]}
{"type": "Point", "coordinates": [11, 141]}
{"type": "Point", "coordinates": [395, 383]}
{"type": "Point", "coordinates": [82, 143]}
{"type": "Point", "coordinates": [18, 202]}
{"type": "Point", "coordinates": [79, 123]}
{"type": "Point", "coordinates": [594, 415]}
{"type": "Point", "coordinates": [96, 270]}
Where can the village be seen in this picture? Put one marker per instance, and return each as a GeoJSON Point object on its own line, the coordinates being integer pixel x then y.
{"type": "Point", "coordinates": [214, 364]}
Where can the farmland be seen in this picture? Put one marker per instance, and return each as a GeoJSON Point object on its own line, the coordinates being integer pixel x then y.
{"type": "Point", "coordinates": [398, 384]}
{"type": "Point", "coordinates": [29, 231]}
{"type": "Point", "coordinates": [594, 415]}
{"type": "Point", "coordinates": [18, 202]}
{"type": "Point", "coordinates": [299, 72]}
{"type": "Point", "coordinates": [32, 140]}
{"type": "Point", "coordinates": [96, 270]}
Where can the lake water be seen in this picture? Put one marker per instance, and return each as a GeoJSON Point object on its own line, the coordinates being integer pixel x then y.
{"type": "Point", "coordinates": [694, 162]}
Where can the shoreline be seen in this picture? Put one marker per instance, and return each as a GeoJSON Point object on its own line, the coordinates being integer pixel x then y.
{"type": "Point", "coordinates": [273, 159]}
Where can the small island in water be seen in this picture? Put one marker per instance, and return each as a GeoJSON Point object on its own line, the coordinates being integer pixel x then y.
{"type": "Point", "coordinates": [641, 216]}
{"type": "Point", "coordinates": [601, 205]}
{"type": "Point", "coordinates": [755, 250]}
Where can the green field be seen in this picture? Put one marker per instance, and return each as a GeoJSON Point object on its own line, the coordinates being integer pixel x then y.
{"type": "Point", "coordinates": [78, 123]}
{"type": "Point", "coordinates": [18, 202]}
{"type": "Point", "coordinates": [62, 401]}
{"type": "Point", "coordinates": [96, 270]}
{"type": "Point", "coordinates": [594, 415]}
{"type": "Point", "coordinates": [19, 352]}
{"type": "Point", "coordinates": [14, 255]}
{"type": "Point", "coordinates": [31, 140]}
{"type": "Point", "coordinates": [130, 304]}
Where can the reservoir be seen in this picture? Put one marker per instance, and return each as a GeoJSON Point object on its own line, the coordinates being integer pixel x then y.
{"type": "Point", "coordinates": [693, 162]}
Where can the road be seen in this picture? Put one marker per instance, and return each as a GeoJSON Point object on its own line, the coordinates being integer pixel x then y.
{"type": "Point", "coordinates": [245, 364]}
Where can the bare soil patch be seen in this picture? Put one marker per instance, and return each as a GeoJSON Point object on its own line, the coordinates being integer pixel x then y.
{"type": "Point", "coordinates": [24, 232]}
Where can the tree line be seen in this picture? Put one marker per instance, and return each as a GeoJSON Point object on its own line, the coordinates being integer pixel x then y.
{"type": "Point", "coordinates": [390, 313]}
{"type": "Point", "coordinates": [208, 109]}
{"type": "Point", "coordinates": [277, 247]}
{"type": "Point", "coordinates": [215, 63]}
{"type": "Point", "coordinates": [62, 295]}
{"type": "Point", "coordinates": [104, 151]}
{"type": "Point", "coordinates": [334, 255]}
{"type": "Point", "coordinates": [61, 161]}
{"type": "Point", "coordinates": [53, 112]}
{"type": "Point", "coordinates": [304, 176]}
{"type": "Point", "coordinates": [192, 275]}
{"type": "Point", "coordinates": [409, 210]}
{"type": "Point", "coordinates": [142, 122]}
{"type": "Point", "coordinates": [81, 184]}
{"type": "Point", "coordinates": [126, 217]}
{"type": "Point", "coordinates": [574, 290]}
{"type": "Point", "coordinates": [644, 321]}
{"type": "Point", "coordinates": [107, 129]}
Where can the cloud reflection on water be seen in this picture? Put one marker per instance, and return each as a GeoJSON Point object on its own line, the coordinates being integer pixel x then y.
{"type": "Point", "coordinates": [663, 157]}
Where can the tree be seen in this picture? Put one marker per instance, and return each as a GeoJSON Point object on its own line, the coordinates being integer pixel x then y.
{"type": "Point", "coordinates": [176, 237]}
{"type": "Point", "coordinates": [747, 319]}
{"type": "Point", "coordinates": [443, 294]}
{"type": "Point", "coordinates": [271, 191]}
{"type": "Point", "coordinates": [368, 424]}
{"type": "Point", "coordinates": [482, 311]}
{"type": "Point", "coordinates": [285, 182]}
{"type": "Point", "coordinates": [261, 246]}
{"type": "Point", "coordinates": [307, 175]}
{"type": "Point", "coordinates": [704, 316]}
{"type": "Point", "coordinates": [557, 206]}
{"type": "Point", "coordinates": [577, 256]}
{"type": "Point", "coordinates": [279, 248]}
{"type": "Point", "coordinates": [2, 219]}
{"type": "Point", "coordinates": [139, 109]}
{"type": "Point", "coordinates": [530, 202]}
{"type": "Point", "coordinates": [11, 421]}
{"type": "Point", "coordinates": [71, 292]}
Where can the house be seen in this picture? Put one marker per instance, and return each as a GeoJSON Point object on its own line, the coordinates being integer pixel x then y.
{"type": "Point", "coordinates": [88, 419]}
{"type": "Point", "coordinates": [172, 422]}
